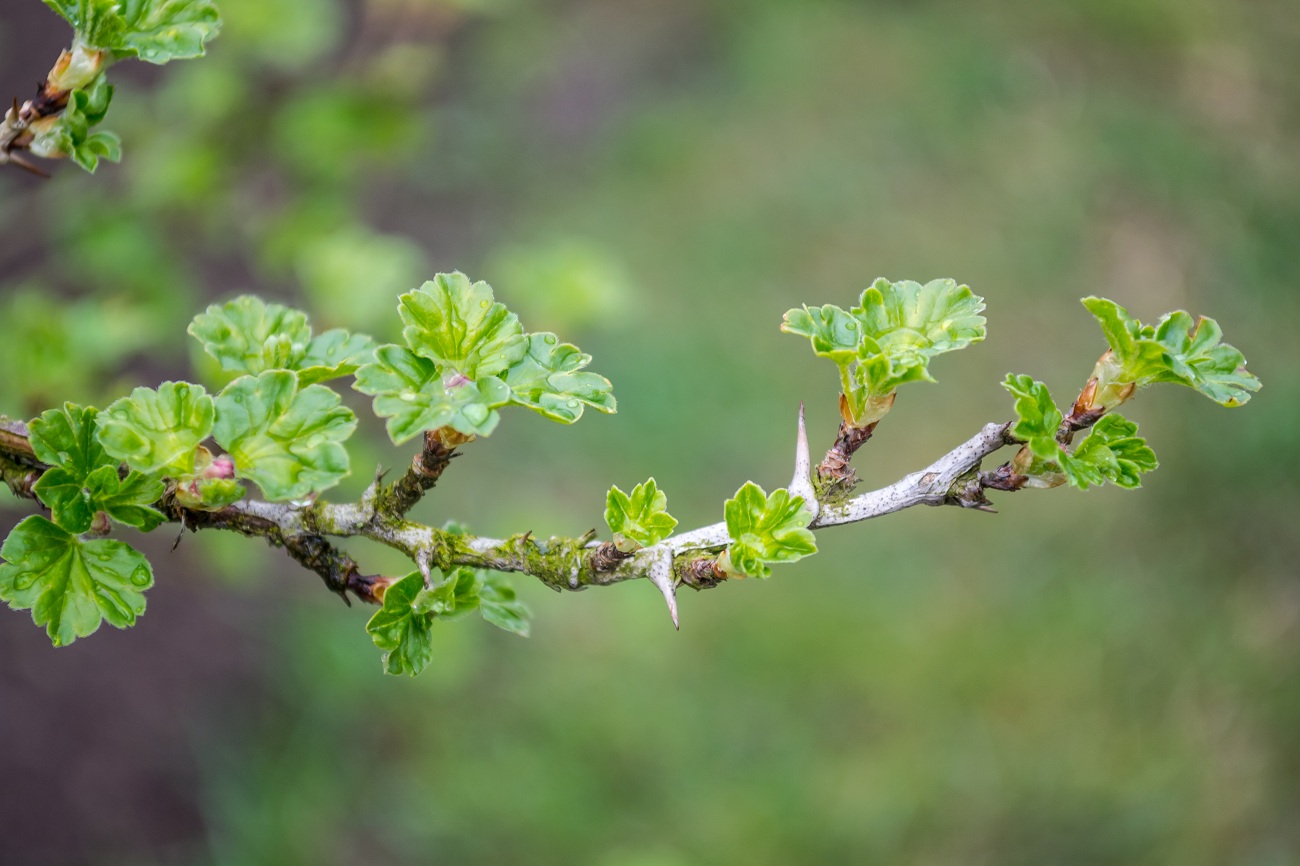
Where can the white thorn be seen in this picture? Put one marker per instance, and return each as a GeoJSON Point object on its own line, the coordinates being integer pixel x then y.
{"type": "Point", "coordinates": [661, 575]}
{"type": "Point", "coordinates": [801, 483]}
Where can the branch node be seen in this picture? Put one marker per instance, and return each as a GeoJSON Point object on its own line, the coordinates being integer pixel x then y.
{"type": "Point", "coordinates": [703, 573]}
{"type": "Point", "coordinates": [606, 557]}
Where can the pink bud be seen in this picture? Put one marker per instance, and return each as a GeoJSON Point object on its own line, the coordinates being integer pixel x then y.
{"type": "Point", "coordinates": [221, 467]}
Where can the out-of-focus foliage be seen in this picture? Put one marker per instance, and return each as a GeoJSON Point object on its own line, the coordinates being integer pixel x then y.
{"type": "Point", "coordinates": [911, 694]}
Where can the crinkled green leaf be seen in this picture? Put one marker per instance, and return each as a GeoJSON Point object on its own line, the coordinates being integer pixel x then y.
{"type": "Point", "coordinates": [1037, 418]}
{"type": "Point", "coordinates": [70, 585]}
{"type": "Point", "coordinates": [835, 333]}
{"type": "Point", "coordinates": [158, 432]}
{"type": "Point", "coordinates": [286, 439]}
{"type": "Point", "coordinates": [1112, 451]}
{"type": "Point", "coordinates": [889, 338]}
{"type": "Point", "coordinates": [156, 31]}
{"type": "Point", "coordinates": [459, 326]}
{"type": "Point", "coordinates": [83, 479]}
{"type": "Point", "coordinates": [912, 323]}
{"type": "Point", "coordinates": [66, 437]}
{"type": "Point", "coordinates": [549, 380]}
{"type": "Point", "coordinates": [405, 635]}
{"type": "Point", "coordinates": [74, 501]}
{"type": "Point", "coordinates": [500, 606]}
{"type": "Point", "coordinates": [248, 335]}
{"type": "Point", "coordinates": [411, 393]}
{"type": "Point", "coordinates": [765, 529]}
{"type": "Point", "coordinates": [638, 520]}
{"type": "Point", "coordinates": [69, 134]}
{"type": "Point", "coordinates": [1178, 349]}
{"type": "Point", "coordinates": [454, 596]}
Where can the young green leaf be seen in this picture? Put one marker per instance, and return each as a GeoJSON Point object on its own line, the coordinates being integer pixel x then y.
{"type": "Point", "coordinates": [405, 635]}
{"type": "Point", "coordinates": [82, 478]}
{"type": "Point", "coordinates": [1037, 417]}
{"type": "Point", "coordinates": [414, 396]}
{"type": "Point", "coordinates": [912, 323]}
{"type": "Point", "coordinates": [74, 501]}
{"type": "Point", "coordinates": [765, 529]}
{"type": "Point", "coordinates": [286, 439]}
{"type": "Point", "coordinates": [70, 585]}
{"type": "Point", "coordinates": [639, 520]}
{"type": "Point", "coordinates": [549, 380]}
{"type": "Point", "coordinates": [65, 437]}
{"type": "Point", "coordinates": [158, 432]}
{"type": "Point", "coordinates": [455, 596]}
{"type": "Point", "coordinates": [68, 134]}
{"type": "Point", "coordinates": [156, 31]}
{"type": "Point", "coordinates": [1178, 349]}
{"type": "Point", "coordinates": [889, 338]}
{"type": "Point", "coordinates": [1112, 451]}
{"type": "Point", "coordinates": [248, 335]}
{"type": "Point", "coordinates": [460, 327]}
{"type": "Point", "coordinates": [499, 605]}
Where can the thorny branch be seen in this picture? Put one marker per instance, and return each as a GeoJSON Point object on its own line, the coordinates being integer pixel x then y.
{"type": "Point", "coordinates": [561, 563]}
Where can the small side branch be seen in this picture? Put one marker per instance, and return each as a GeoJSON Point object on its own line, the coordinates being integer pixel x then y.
{"type": "Point", "coordinates": [425, 470]}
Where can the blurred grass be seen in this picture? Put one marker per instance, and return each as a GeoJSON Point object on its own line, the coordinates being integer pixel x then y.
{"type": "Point", "coordinates": [1083, 679]}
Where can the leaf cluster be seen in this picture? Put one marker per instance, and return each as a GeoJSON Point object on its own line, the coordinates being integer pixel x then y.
{"type": "Point", "coordinates": [1176, 349]}
{"type": "Point", "coordinates": [70, 133]}
{"type": "Point", "coordinates": [1112, 451]}
{"type": "Point", "coordinates": [465, 357]}
{"type": "Point", "coordinates": [765, 529]}
{"type": "Point", "coordinates": [640, 519]}
{"type": "Point", "coordinates": [889, 338]}
{"type": "Point", "coordinates": [403, 626]}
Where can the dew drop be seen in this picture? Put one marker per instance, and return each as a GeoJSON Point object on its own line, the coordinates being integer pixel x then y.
{"type": "Point", "coordinates": [550, 339]}
{"type": "Point", "coordinates": [25, 580]}
{"type": "Point", "coordinates": [141, 576]}
{"type": "Point", "coordinates": [485, 304]}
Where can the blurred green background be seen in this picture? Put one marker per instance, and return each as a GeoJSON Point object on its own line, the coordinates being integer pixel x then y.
{"type": "Point", "coordinates": [1085, 678]}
